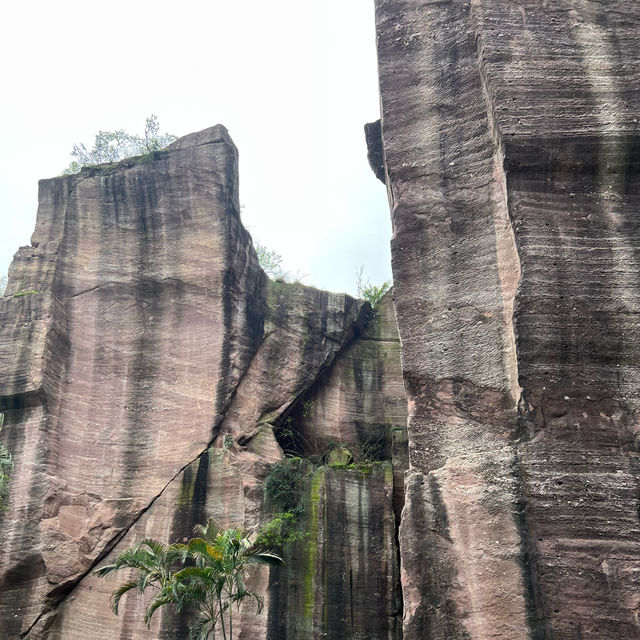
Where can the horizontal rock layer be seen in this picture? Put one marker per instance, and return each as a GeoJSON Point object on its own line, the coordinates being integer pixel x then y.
{"type": "Point", "coordinates": [511, 139]}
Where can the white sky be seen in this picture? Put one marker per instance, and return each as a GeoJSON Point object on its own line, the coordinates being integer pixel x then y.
{"type": "Point", "coordinates": [294, 81]}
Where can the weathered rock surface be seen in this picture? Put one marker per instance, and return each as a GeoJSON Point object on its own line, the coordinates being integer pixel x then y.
{"type": "Point", "coordinates": [146, 360]}
{"type": "Point", "coordinates": [341, 581]}
{"type": "Point", "coordinates": [511, 137]}
{"type": "Point", "coordinates": [361, 402]}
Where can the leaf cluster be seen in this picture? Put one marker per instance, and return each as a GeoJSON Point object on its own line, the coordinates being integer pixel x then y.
{"type": "Point", "coordinates": [206, 575]}
{"type": "Point", "coordinates": [280, 531]}
{"type": "Point", "coordinates": [370, 292]}
{"type": "Point", "coordinates": [113, 146]}
{"type": "Point", "coordinates": [271, 262]}
{"type": "Point", "coordinates": [283, 485]}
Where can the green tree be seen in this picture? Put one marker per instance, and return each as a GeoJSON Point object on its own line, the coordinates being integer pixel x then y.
{"type": "Point", "coordinates": [210, 585]}
{"type": "Point", "coordinates": [271, 262]}
{"type": "Point", "coordinates": [112, 146]}
{"type": "Point", "coordinates": [370, 292]}
{"type": "Point", "coordinates": [155, 564]}
{"type": "Point", "coordinates": [221, 561]}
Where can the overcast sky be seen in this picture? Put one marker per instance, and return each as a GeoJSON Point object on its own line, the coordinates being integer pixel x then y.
{"type": "Point", "coordinates": [294, 81]}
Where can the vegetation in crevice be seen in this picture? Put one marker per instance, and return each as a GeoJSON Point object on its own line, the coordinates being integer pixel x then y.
{"type": "Point", "coordinates": [283, 485]}
{"type": "Point", "coordinates": [375, 446]}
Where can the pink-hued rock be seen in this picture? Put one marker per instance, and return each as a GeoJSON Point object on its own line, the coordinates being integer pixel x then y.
{"type": "Point", "coordinates": [142, 326]}
{"type": "Point", "coordinates": [146, 361]}
{"type": "Point", "coordinates": [510, 139]}
{"type": "Point", "coordinates": [143, 305]}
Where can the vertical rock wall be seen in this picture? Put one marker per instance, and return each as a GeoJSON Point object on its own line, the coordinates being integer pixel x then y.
{"type": "Point", "coordinates": [145, 363]}
{"type": "Point", "coordinates": [110, 395]}
{"type": "Point", "coordinates": [510, 135]}
{"type": "Point", "coordinates": [340, 579]}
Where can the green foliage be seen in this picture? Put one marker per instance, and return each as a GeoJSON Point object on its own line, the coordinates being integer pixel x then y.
{"type": "Point", "coordinates": [370, 292]}
{"type": "Point", "coordinates": [271, 262]}
{"type": "Point", "coordinates": [24, 293]}
{"type": "Point", "coordinates": [280, 531]}
{"type": "Point", "coordinates": [154, 563]}
{"type": "Point", "coordinates": [283, 484]}
{"type": "Point", "coordinates": [6, 465]}
{"type": "Point", "coordinates": [210, 584]}
{"type": "Point", "coordinates": [113, 146]}
{"type": "Point", "coordinates": [365, 468]}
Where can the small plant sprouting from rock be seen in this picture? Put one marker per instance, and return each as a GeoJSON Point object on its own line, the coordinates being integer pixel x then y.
{"type": "Point", "coordinates": [113, 146]}
{"type": "Point", "coordinates": [370, 292]}
{"type": "Point", "coordinates": [271, 262]}
{"type": "Point", "coordinates": [283, 485]}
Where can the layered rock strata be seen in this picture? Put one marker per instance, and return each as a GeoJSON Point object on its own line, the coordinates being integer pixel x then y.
{"type": "Point", "coordinates": [146, 361]}
{"type": "Point", "coordinates": [510, 137]}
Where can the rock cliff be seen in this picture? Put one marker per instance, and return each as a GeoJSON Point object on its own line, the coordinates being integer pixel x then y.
{"type": "Point", "coordinates": [511, 155]}
{"type": "Point", "coordinates": [152, 376]}
{"type": "Point", "coordinates": [149, 370]}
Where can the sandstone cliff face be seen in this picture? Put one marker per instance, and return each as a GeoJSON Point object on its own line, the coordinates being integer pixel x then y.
{"type": "Point", "coordinates": [510, 134]}
{"type": "Point", "coordinates": [137, 337]}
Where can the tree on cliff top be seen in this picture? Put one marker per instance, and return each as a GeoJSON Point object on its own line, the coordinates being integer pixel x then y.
{"type": "Point", "coordinates": [370, 292]}
{"type": "Point", "coordinates": [112, 146]}
{"type": "Point", "coordinates": [271, 262]}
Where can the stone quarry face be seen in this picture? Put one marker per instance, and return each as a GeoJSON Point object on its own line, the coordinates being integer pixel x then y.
{"type": "Point", "coordinates": [151, 375]}
{"type": "Point", "coordinates": [148, 369]}
{"type": "Point", "coordinates": [510, 138]}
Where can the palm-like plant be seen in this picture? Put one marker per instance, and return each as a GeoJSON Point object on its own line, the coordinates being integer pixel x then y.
{"type": "Point", "coordinates": [155, 564]}
{"type": "Point", "coordinates": [221, 558]}
{"type": "Point", "coordinates": [211, 584]}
